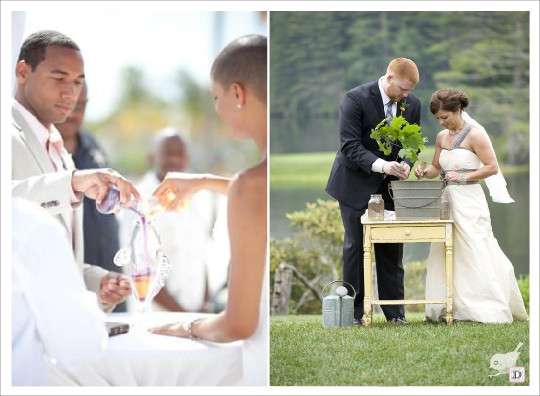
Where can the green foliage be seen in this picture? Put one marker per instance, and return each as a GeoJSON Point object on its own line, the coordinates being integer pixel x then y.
{"type": "Point", "coordinates": [303, 353]}
{"type": "Point", "coordinates": [307, 261]}
{"type": "Point", "coordinates": [320, 222]}
{"type": "Point", "coordinates": [523, 283]}
{"type": "Point", "coordinates": [127, 132]}
{"type": "Point", "coordinates": [399, 133]}
{"type": "Point", "coordinates": [317, 56]}
{"type": "Point", "coordinates": [315, 249]}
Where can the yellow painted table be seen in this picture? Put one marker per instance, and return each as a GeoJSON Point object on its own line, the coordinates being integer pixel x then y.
{"type": "Point", "coordinates": [406, 231]}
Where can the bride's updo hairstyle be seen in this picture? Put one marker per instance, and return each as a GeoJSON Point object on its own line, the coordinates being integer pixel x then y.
{"type": "Point", "coordinates": [448, 100]}
{"type": "Point", "coordinates": [243, 61]}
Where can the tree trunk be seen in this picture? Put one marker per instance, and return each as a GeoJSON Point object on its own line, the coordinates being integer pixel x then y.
{"type": "Point", "coordinates": [282, 290]}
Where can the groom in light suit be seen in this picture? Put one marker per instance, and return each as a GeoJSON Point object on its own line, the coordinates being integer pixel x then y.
{"type": "Point", "coordinates": [361, 169]}
{"type": "Point", "coordinates": [50, 73]}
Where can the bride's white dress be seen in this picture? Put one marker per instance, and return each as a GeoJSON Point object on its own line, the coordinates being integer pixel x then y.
{"type": "Point", "coordinates": [485, 286]}
{"type": "Point", "coordinates": [255, 348]}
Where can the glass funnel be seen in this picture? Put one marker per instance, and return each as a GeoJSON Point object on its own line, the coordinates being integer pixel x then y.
{"type": "Point", "coordinates": [144, 262]}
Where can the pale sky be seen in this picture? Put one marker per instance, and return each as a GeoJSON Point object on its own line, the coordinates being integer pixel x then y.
{"type": "Point", "coordinates": [159, 40]}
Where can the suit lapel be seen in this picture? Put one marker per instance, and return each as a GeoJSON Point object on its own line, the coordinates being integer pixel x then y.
{"type": "Point", "coordinates": [32, 143]}
{"type": "Point", "coordinates": [376, 98]}
{"type": "Point", "coordinates": [40, 155]}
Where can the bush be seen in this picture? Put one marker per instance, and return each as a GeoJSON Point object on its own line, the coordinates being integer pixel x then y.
{"type": "Point", "coordinates": [316, 249]}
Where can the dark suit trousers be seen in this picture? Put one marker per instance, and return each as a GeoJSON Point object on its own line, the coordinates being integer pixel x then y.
{"type": "Point", "coordinates": [388, 258]}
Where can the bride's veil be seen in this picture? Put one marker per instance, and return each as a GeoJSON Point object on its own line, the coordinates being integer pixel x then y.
{"type": "Point", "coordinates": [496, 184]}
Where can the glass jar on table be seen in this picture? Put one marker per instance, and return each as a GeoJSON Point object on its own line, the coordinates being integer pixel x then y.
{"type": "Point", "coordinates": [376, 207]}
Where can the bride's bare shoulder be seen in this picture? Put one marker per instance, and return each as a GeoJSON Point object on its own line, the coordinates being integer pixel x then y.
{"type": "Point", "coordinates": [441, 135]}
{"type": "Point", "coordinates": [478, 134]}
{"type": "Point", "coordinates": [250, 184]}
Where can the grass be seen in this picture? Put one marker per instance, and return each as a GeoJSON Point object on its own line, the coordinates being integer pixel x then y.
{"type": "Point", "coordinates": [304, 353]}
{"type": "Point", "coordinates": [311, 170]}
{"type": "Point", "coordinates": [305, 170]}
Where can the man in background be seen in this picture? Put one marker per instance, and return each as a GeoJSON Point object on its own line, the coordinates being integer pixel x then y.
{"type": "Point", "coordinates": [100, 231]}
{"type": "Point", "coordinates": [194, 239]}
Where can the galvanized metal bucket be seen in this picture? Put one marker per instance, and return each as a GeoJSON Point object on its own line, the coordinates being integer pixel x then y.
{"type": "Point", "coordinates": [416, 199]}
{"type": "Point", "coordinates": [338, 310]}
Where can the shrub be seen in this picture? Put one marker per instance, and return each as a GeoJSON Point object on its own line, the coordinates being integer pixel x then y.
{"type": "Point", "coordinates": [315, 250]}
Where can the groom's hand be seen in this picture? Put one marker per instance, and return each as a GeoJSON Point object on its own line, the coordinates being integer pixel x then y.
{"type": "Point", "coordinates": [94, 183]}
{"type": "Point", "coordinates": [394, 168]}
{"type": "Point", "coordinates": [406, 168]}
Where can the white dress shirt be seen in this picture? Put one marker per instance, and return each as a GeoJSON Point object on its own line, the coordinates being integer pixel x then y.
{"type": "Point", "coordinates": [379, 163]}
{"type": "Point", "coordinates": [55, 320]}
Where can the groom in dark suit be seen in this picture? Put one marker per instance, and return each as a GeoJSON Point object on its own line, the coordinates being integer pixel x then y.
{"type": "Point", "coordinates": [361, 169]}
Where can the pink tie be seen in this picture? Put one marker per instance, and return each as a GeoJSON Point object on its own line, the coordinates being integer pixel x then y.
{"type": "Point", "coordinates": [55, 146]}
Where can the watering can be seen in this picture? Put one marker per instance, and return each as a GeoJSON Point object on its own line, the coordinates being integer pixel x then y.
{"type": "Point", "coordinates": [338, 307]}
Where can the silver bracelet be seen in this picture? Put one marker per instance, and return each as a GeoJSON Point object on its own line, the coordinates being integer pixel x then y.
{"type": "Point", "coordinates": [462, 178]}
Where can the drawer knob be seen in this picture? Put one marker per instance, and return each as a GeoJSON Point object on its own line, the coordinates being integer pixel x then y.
{"type": "Point", "coordinates": [407, 232]}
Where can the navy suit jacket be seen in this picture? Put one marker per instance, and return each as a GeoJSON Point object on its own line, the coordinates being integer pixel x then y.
{"type": "Point", "coordinates": [351, 179]}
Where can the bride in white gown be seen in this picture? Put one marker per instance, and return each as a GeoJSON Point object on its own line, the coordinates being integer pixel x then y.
{"type": "Point", "coordinates": [485, 286]}
{"type": "Point", "coordinates": [239, 89]}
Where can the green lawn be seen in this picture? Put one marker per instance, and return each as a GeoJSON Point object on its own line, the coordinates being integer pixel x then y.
{"type": "Point", "coordinates": [300, 170]}
{"type": "Point", "coordinates": [311, 170]}
{"type": "Point", "coordinates": [304, 353]}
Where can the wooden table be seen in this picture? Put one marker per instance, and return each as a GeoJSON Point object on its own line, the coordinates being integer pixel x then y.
{"type": "Point", "coordinates": [406, 231]}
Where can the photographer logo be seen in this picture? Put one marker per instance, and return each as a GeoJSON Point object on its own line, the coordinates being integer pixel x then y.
{"type": "Point", "coordinates": [516, 375]}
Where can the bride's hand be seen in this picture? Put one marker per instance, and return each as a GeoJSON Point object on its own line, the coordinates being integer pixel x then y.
{"type": "Point", "coordinates": [178, 329]}
{"type": "Point", "coordinates": [452, 176]}
{"type": "Point", "coordinates": [177, 188]}
{"type": "Point", "coordinates": [420, 170]}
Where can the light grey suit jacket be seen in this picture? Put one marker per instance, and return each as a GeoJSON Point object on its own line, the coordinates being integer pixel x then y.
{"type": "Point", "coordinates": [35, 179]}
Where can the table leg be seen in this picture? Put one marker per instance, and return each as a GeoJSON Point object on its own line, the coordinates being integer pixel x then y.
{"type": "Point", "coordinates": [368, 281]}
{"type": "Point", "coordinates": [449, 274]}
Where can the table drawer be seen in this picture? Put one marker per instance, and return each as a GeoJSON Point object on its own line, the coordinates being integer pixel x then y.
{"type": "Point", "coordinates": [407, 234]}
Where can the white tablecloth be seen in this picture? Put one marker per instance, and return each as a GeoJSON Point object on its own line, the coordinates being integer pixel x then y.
{"type": "Point", "coordinates": [140, 358]}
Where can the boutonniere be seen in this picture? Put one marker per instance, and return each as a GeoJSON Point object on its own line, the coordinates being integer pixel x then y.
{"type": "Point", "coordinates": [403, 106]}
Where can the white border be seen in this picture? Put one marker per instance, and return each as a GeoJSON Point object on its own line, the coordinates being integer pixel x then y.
{"type": "Point", "coordinates": [532, 6]}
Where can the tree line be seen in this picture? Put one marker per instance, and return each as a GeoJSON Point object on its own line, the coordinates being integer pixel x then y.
{"type": "Point", "coordinates": [317, 56]}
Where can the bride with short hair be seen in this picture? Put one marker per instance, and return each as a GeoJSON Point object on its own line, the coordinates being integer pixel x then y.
{"type": "Point", "coordinates": [239, 89]}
